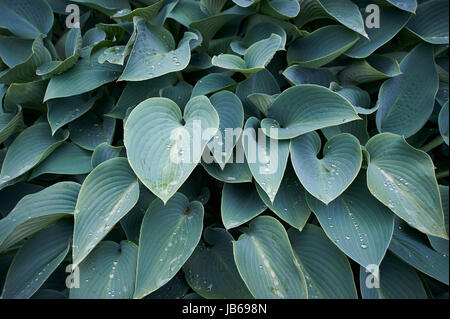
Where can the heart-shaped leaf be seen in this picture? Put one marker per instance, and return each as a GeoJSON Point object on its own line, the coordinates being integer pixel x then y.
{"type": "Point", "coordinates": [152, 139]}
{"type": "Point", "coordinates": [328, 177]}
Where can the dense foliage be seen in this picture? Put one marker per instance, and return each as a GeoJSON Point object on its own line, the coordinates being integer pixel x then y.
{"type": "Point", "coordinates": [341, 109]}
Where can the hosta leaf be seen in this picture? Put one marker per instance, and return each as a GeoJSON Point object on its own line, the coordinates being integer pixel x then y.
{"type": "Point", "coordinates": [169, 235]}
{"type": "Point", "coordinates": [136, 92]}
{"type": "Point", "coordinates": [231, 116]}
{"type": "Point", "coordinates": [179, 93]}
{"type": "Point", "coordinates": [256, 57]}
{"type": "Point", "coordinates": [359, 98]}
{"type": "Point", "coordinates": [131, 222]}
{"type": "Point", "coordinates": [211, 271]}
{"type": "Point", "coordinates": [344, 11]}
{"type": "Point", "coordinates": [91, 130]}
{"type": "Point", "coordinates": [73, 49]}
{"type": "Point", "coordinates": [28, 95]}
{"type": "Point", "coordinates": [26, 18]}
{"type": "Point", "coordinates": [104, 152]}
{"type": "Point", "coordinates": [298, 75]}
{"type": "Point", "coordinates": [420, 24]}
{"type": "Point", "coordinates": [148, 131]}
{"type": "Point", "coordinates": [407, 101]}
{"type": "Point", "coordinates": [327, 270]}
{"type": "Point", "coordinates": [407, 5]}
{"type": "Point", "coordinates": [68, 159]}
{"type": "Point", "coordinates": [147, 13]}
{"type": "Point", "coordinates": [106, 6]}
{"type": "Point", "coordinates": [107, 194]}
{"type": "Point", "coordinates": [176, 288]}
{"type": "Point", "coordinates": [260, 82]}
{"type": "Point", "coordinates": [154, 53]}
{"type": "Point", "coordinates": [25, 71]}
{"type": "Point", "coordinates": [282, 9]}
{"type": "Point", "coordinates": [321, 46]}
{"type": "Point", "coordinates": [65, 110]}
{"type": "Point", "coordinates": [85, 76]}
{"type": "Point", "coordinates": [266, 157]}
{"type": "Point", "coordinates": [266, 262]}
{"type": "Point", "coordinates": [392, 20]}
{"type": "Point", "coordinates": [36, 260]}
{"type": "Point", "coordinates": [440, 244]}
{"type": "Point", "coordinates": [37, 211]}
{"type": "Point", "coordinates": [294, 111]}
{"type": "Point", "coordinates": [357, 223]}
{"type": "Point", "coordinates": [443, 122]}
{"type": "Point", "coordinates": [290, 202]}
{"type": "Point", "coordinates": [402, 178]}
{"type": "Point", "coordinates": [257, 33]}
{"type": "Point", "coordinates": [328, 177]}
{"type": "Point", "coordinates": [235, 171]}
{"type": "Point", "coordinates": [397, 280]}
{"type": "Point", "coordinates": [30, 148]}
{"type": "Point", "coordinates": [109, 272]}
{"type": "Point", "coordinates": [374, 68]}
{"type": "Point", "coordinates": [414, 250]}
{"type": "Point", "coordinates": [10, 123]}
{"type": "Point", "coordinates": [356, 128]}
{"type": "Point", "coordinates": [240, 203]}
{"type": "Point", "coordinates": [212, 83]}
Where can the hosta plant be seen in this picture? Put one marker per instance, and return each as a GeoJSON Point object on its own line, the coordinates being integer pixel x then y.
{"type": "Point", "coordinates": [224, 149]}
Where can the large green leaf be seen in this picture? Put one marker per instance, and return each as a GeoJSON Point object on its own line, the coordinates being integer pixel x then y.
{"type": "Point", "coordinates": [109, 272]}
{"type": "Point", "coordinates": [328, 177]}
{"type": "Point", "coordinates": [30, 148]}
{"type": "Point", "coordinates": [154, 54]}
{"type": "Point", "coordinates": [414, 250]}
{"type": "Point", "coordinates": [65, 110]}
{"type": "Point", "coordinates": [36, 260]}
{"type": "Point", "coordinates": [240, 203]}
{"type": "Point", "coordinates": [107, 194]}
{"type": "Point", "coordinates": [441, 244]}
{"type": "Point", "coordinates": [402, 178]}
{"type": "Point", "coordinates": [374, 68]}
{"type": "Point", "coordinates": [297, 75]}
{"type": "Point", "coordinates": [396, 280]}
{"type": "Point", "coordinates": [26, 18]}
{"type": "Point", "coordinates": [37, 211]}
{"type": "Point", "coordinates": [344, 11]}
{"type": "Point", "coordinates": [407, 101]}
{"type": "Point", "coordinates": [85, 76]}
{"type": "Point", "coordinates": [68, 159]}
{"type": "Point", "coordinates": [326, 269]}
{"type": "Point", "coordinates": [392, 20]}
{"type": "Point", "coordinates": [294, 112]}
{"type": "Point", "coordinates": [257, 33]}
{"type": "Point", "coordinates": [159, 146]}
{"type": "Point", "coordinates": [91, 130]}
{"type": "Point", "coordinates": [256, 57]}
{"type": "Point", "coordinates": [290, 202]}
{"type": "Point", "coordinates": [169, 235]}
{"type": "Point", "coordinates": [10, 122]}
{"type": "Point", "coordinates": [443, 122]}
{"type": "Point", "coordinates": [266, 262]}
{"type": "Point", "coordinates": [266, 157]}
{"type": "Point", "coordinates": [321, 46]}
{"type": "Point", "coordinates": [211, 271]}
{"type": "Point", "coordinates": [357, 223]}
{"type": "Point", "coordinates": [212, 83]}
{"type": "Point", "coordinates": [431, 22]}
{"type": "Point", "coordinates": [25, 71]}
